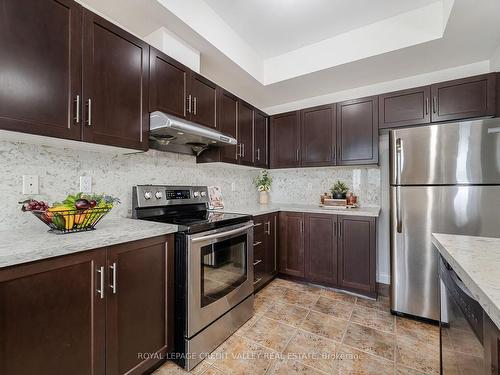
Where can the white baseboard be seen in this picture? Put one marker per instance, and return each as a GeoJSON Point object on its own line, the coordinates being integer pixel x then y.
{"type": "Point", "coordinates": [384, 278]}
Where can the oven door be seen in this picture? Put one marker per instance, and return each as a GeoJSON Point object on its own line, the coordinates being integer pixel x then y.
{"type": "Point", "coordinates": [220, 273]}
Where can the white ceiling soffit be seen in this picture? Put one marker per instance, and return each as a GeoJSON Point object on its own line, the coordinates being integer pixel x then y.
{"type": "Point", "coordinates": [377, 30]}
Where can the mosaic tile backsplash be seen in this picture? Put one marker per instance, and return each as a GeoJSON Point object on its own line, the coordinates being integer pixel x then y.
{"type": "Point", "coordinates": [59, 171]}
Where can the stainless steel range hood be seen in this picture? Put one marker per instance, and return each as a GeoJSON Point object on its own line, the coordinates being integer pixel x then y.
{"type": "Point", "coordinates": [170, 133]}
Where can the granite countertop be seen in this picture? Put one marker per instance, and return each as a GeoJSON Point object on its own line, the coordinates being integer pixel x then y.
{"type": "Point", "coordinates": [257, 209]}
{"type": "Point", "coordinates": [22, 246]}
{"type": "Point", "coordinates": [476, 260]}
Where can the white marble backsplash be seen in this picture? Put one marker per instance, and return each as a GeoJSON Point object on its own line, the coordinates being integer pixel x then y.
{"type": "Point", "coordinates": [306, 185]}
{"type": "Point", "coordinates": [59, 170]}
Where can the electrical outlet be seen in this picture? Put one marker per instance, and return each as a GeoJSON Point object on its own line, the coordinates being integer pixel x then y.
{"type": "Point", "coordinates": [30, 184]}
{"type": "Point", "coordinates": [233, 186]}
{"type": "Point", "coordinates": [86, 184]}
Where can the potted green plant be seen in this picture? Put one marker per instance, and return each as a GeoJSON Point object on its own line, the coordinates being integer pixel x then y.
{"type": "Point", "coordinates": [263, 183]}
{"type": "Point", "coordinates": [339, 190]}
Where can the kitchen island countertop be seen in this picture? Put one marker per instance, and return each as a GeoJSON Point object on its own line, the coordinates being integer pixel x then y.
{"type": "Point", "coordinates": [35, 243]}
{"type": "Point", "coordinates": [476, 260]}
{"type": "Point", "coordinates": [257, 209]}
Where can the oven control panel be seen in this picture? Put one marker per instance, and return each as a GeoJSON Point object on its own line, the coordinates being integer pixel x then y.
{"type": "Point", "coordinates": [163, 195]}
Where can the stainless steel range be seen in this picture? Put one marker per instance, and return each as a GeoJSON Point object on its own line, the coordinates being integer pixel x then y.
{"type": "Point", "coordinates": [213, 266]}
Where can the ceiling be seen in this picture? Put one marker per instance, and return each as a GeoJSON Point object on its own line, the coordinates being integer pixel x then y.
{"type": "Point", "coordinates": [273, 27]}
{"type": "Point", "coordinates": [267, 55]}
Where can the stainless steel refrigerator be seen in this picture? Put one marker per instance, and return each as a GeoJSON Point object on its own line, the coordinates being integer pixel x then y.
{"type": "Point", "coordinates": [444, 178]}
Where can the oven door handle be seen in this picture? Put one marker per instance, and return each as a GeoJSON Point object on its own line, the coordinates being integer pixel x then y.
{"type": "Point", "coordinates": [223, 234]}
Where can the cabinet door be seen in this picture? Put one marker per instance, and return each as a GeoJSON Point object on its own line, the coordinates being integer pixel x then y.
{"type": "Point", "coordinates": [115, 85]}
{"type": "Point", "coordinates": [464, 98]}
{"type": "Point", "coordinates": [357, 131]}
{"type": "Point", "coordinates": [321, 248]}
{"type": "Point", "coordinates": [407, 107]}
{"type": "Point", "coordinates": [203, 95]}
{"type": "Point", "coordinates": [261, 139]}
{"type": "Point", "coordinates": [285, 140]}
{"type": "Point", "coordinates": [271, 231]}
{"type": "Point", "coordinates": [139, 290]}
{"type": "Point", "coordinates": [357, 252]}
{"type": "Point", "coordinates": [227, 109]}
{"type": "Point", "coordinates": [52, 317]}
{"type": "Point", "coordinates": [318, 136]}
{"type": "Point", "coordinates": [245, 133]}
{"type": "Point", "coordinates": [40, 59]}
{"type": "Point", "coordinates": [291, 243]}
{"type": "Point", "coordinates": [167, 85]}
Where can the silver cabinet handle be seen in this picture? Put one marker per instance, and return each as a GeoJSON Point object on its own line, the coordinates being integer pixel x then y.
{"type": "Point", "coordinates": [434, 104]}
{"type": "Point", "coordinates": [335, 229]}
{"type": "Point", "coordinates": [399, 224]}
{"type": "Point", "coordinates": [195, 101]}
{"type": "Point", "coordinates": [257, 243]}
{"type": "Point", "coordinates": [242, 150]}
{"type": "Point", "coordinates": [257, 262]}
{"type": "Point", "coordinates": [257, 225]}
{"type": "Point", "coordinates": [302, 227]}
{"type": "Point", "coordinates": [89, 112]}
{"type": "Point", "coordinates": [113, 278]}
{"type": "Point", "coordinates": [268, 229]}
{"type": "Point", "coordinates": [340, 229]}
{"type": "Point", "coordinates": [297, 154]}
{"type": "Point", "coordinates": [189, 103]}
{"type": "Point", "coordinates": [334, 153]}
{"type": "Point", "coordinates": [426, 106]}
{"type": "Point", "coordinates": [258, 153]}
{"type": "Point", "coordinates": [100, 291]}
{"type": "Point", "coordinates": [77, 111]}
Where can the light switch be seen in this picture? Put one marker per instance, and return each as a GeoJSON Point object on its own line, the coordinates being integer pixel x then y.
{"type": "Point", "coordinates": [30, 184]}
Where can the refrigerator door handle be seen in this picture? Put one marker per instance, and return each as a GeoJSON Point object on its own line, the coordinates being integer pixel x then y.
{"type": "Point", "coordinates": [399, 150]}
{"type": "Point", "coordinates": [399, 224]}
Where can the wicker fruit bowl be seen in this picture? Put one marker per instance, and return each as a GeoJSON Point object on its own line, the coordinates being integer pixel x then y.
{"type": "Point", "coordinates": [70, 221]}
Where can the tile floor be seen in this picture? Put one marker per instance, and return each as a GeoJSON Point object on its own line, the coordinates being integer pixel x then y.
{"type": "Point", "coordinates": [303, 329]}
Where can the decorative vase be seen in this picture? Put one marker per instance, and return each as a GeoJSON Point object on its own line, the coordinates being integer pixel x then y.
{"type": "Point", "coordinates": [263, 197]}
{"type": "Point", "coordinates": [339, 195]}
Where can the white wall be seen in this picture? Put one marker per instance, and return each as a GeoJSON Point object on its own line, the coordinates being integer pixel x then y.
{"type": "Point", "coordinates": [383, 87]}
{"type": "Point", "coordinates": [495, 61]}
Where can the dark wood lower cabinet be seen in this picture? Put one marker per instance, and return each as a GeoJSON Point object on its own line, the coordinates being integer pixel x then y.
{"type": "Point", "coordinates": [330, 250]}
{"type": "Point", "coordinates": [136, 304]}
{"type": "Point", "coordinates": [52, 318]}
{"type": "Point", "coordinates": [265, 242]}
{"type": "Point", "coordinates": [357, 253]}
{"type": "Point", "coordinates": [321, 248]}
{"type": "Point", "coordinates": [94, 312]}
{"type": "Point", "coordinates": [491, 343]}
{"type": "Point", "coordinates": [291, 244]}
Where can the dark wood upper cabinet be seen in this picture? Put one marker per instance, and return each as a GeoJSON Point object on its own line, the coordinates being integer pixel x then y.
{"type": "Point", "coordinates": [167, 85]}
{"type": "Point", "coordinates": [137, 300]}
{"type": "Point", "coordinates": [227, 111]}
{"type": "Point", "coordinates": [245, 133]}
{"type": "Point", "coordinates": [52, 318]}
{"type": "Point", "coordinates": [291, 243]}
{"type": "Point", "coordinates": [115, 85]}
{"type": "Point", "coordinates": [491, 344]}
{"type": "Point", "coordinates": [261, 139]}
{"type": "Point", "coordinates": [318, 136]}
{"type": "Point", "coordinates": [464, 98]}
{"type": "Point", "coordinates": [357, 251]}
{"type": "Point", "coordinates": [202, 99]}
{"type": "Point", "coordinates": [285, 140]}
{"type": "Point", "coordinates": [406, 107]}
{"type": "Point", "coordinates": [321, 248]}
{"type": "Point", "coordinates": [357, 131]}
{"type": "Point", "coordinates": [40, 59]}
